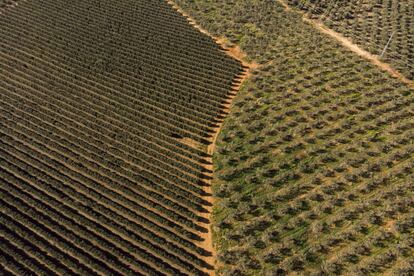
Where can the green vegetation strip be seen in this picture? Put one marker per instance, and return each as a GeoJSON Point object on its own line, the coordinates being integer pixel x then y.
{"type": "Point", "coordinates": [314, 165]}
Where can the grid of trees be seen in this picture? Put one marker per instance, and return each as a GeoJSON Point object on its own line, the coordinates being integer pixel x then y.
{"type": "Point", "coordinates": [371, 24]}
{"type": "Point", "coordinates": [314, 165]}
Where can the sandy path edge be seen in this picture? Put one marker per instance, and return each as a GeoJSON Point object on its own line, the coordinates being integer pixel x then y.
{"type": "Point", "coordinates": [236, 53]}
{"type": "Point", "coordinates": [347, 43]}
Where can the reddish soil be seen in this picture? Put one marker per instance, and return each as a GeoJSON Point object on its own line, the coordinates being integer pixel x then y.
{"type": "Point", "coordinates": [359, 51]}
{"type": "Point", "coordinates": [351, 46]}
{"type": "Point", "coordinates": [236, 53]}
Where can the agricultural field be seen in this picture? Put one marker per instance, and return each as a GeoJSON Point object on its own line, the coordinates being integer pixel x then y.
{"type": "Point", "coordinates": [5, 4]}
{"type": "Point", "coordinates": [106, 112]}
{"type": "Point", "coordinates": [371, 24]}
{"type": "Point", "coordinates": [314, 167]}
{"type": "Point", "coordinates": [109, 115]}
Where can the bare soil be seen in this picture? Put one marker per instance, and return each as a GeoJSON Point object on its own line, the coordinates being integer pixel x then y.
{"type": "Point", "coordinates": [190, 142]}
{"type": "Point", "coordinates": [351, 46]}
{"type": "Point", "coordinates": [359, 51]}
{"type": "Point", "coordinates": [236, 53]}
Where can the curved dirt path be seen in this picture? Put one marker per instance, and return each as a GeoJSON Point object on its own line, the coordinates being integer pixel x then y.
{"type": "Point", "coordinates": [351, 46]}
{"type": "Point", "coordinates": [236, 53]}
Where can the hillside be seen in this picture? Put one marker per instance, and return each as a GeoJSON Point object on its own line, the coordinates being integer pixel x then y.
{"type": "Point", "coordinates": [314, 165]}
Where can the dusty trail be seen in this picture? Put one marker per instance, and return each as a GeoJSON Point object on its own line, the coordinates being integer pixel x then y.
{"type": "Point", "coordinates": [361, 52]}
{"type": "Point", "coordinates": [236, 53]}
{"type": "Point", "coordinates": [374, 59]}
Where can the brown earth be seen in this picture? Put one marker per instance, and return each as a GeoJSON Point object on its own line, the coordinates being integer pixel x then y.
{"type": "Point", "coordinates": [351, 46]}
{"type": "Point", "coordinates": [236, 53]}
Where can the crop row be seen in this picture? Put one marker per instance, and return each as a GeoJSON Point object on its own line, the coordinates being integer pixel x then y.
{"type": "Point", "coordinates": [95, 102]}
{"type": "Point", "coordinates": [371, 26]}
{"type": "Point", "coordinates": [137, 160]}
{"type": "Point", "coordinates": [111, 161]}
{"type": "Point", "coordinates": [318, 144]}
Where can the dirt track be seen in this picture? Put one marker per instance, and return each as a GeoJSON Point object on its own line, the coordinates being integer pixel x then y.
{"type": "Point", "coordinates": [352, 46]}
{"type": "Point", "coordinates": [236, 53]}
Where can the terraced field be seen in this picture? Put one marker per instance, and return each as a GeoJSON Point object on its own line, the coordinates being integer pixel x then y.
{"type": "Point", "coordinates": [371, 24]}
{"type": "Point", "coordinates": [106, 111]}
{"type": "Point", "coordinates": [314, 165]}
